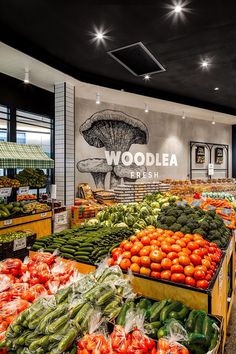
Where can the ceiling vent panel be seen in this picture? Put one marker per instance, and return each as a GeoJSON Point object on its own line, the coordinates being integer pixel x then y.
{"type": "Point", "coordinates": [137, 59]}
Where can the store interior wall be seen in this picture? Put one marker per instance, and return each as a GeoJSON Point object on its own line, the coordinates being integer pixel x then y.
{"type": "Point", "coordinates": [168, 134]}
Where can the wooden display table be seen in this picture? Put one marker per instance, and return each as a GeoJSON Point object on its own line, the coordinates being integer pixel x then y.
{"type": "Point", "coordinates": [40, 223]}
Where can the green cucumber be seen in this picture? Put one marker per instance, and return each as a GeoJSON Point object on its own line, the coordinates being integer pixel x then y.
{"type": "Point", "coordinates": [67, 340]}
{"type": "Point", "coordinates": [57, 324]}
{"type": "Point", "coordinates": [198, 328]}
{"type": "Point", "coordinates": [174, 306]}
{"type": "Point", "coordinates": [129, 305]}
{"type": "Point", "coordinates": [180, 315]}
{"type": "Point", "coordinates": [156, 309]}
{"type": "Point", "coordinates": [197, 338]}
{"type": "Point", "coordinates": [105, 297]}
{"type": "Point", "coordinates": [190, 323]}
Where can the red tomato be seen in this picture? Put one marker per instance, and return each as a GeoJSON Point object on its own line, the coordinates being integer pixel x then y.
{"type": "Point", "coordinates": [206, 263]}
{"type": "Point", "coordinates": [133, 238]}
{"type": "Point", "coordinates": [145, 251]}
{"type": "Point", "coordinates": [177, 268]}
{"type": "Point", "coordinates": [135, 250]}
{"type": "Point", "coordinates": [126, 254]}
{"type": "Point", "coordinates": [198, 252]}
{"type": "Point", "coordinates": [175, 261]}
{"type": "Point", "coordinates": [135, 268]}
{"type": "Point", "coordinates": [184, 260]}
{"type": "Point", "coordinates": [189, 270]}
{"type": "Point", "coordinates": [135, 259]}
{"type": "Point", "coordinates": [166, 274]}
{"type": "Point", "coordinates": [193, 245]}
{"type": "Point", "coordinates": [199, 274]}
{"type": "Point", "coordinates": [178, 277]}
{"type": "Point", "coordinates": [195, 259]}
{"type": "Point", "coordinates": [190, 281]}
{"type": "Point", "coordinates": [163, 344]}
{"type": "Point", "coordinates": [201, 267]}
{"type": "Point", "coordinates": [125, 263]}
{"type": "Point", "coordinates": [176, 248]}
{"type": "Point", "coordinates": [156, 275]}
{"type": "Point", "coordinates": [166, 247]}
{"type": "Point", "coordinates": [145, 261]}
{"type": "Point", "coordinates": [202, 284]}
{"type": "Point", "coordinates": [156, 256]}
{"type": "Point", "coordinates": [166, 263]}
{"type": "Point", "coordinates": [145, 271]}
{"type": "Point", "coordinates": [128, 245]}
{"type": "Point", "coordinates": [44, 277]}
{"type": "Point", "coordinates": [208, 277]}
{"type": "Point", "coordinates": [156, 267]}
{"type": "Point", "coordinates": [172, 255]}
{"type": "Point", "coordinates": [145, 240]}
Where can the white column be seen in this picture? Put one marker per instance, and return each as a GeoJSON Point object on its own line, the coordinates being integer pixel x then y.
{"type": "Point", "coordinates": [65, 142]}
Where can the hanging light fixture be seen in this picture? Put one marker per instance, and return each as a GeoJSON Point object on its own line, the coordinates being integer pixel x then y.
{"type": "Point", "coordinates": [146, 109]}
{"type": "Point", "coordinates": [26, 79]}
{"type": "Point", "coordinates": [98, 98]}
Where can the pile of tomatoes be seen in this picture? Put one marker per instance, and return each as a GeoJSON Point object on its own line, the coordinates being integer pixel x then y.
{"type": "Point", "coordinates": [163, 254]}
{"type": "Point", "coordinates": [119, 342]}
{"type": "Point", "coordinates": [166, 347]}
{"type": "Point", "coordinates": [23, 282]}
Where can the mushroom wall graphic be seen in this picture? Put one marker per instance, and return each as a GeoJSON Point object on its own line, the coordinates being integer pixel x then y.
{"type": "Point", "coordinates": [98, 169]}
{"type": "Point", "coordinates": [114, 131]}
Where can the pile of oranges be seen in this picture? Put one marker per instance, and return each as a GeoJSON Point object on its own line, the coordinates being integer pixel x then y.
{"type": "Point", "coordinates": [168, 255]}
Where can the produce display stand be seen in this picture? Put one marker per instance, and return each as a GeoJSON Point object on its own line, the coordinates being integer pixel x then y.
{"type": "Point", "coordinates": [40, 224]}
{"type": "Point", "coordinates": [12, 156]}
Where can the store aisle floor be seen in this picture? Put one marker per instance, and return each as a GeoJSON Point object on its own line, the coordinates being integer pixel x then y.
{"type": "Point", "coordinates": [230, 347]}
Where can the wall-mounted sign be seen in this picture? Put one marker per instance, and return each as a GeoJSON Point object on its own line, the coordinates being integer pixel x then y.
{"type": "Point", "coordinates": [210, 169]}
{"type": "Point", "coordinates": [219, 156]}
{"type": "Point", "coordinates": [200, 154]}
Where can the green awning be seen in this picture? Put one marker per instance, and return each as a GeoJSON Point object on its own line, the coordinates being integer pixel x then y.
{"type": "Point", "coordinates": [13, 155]}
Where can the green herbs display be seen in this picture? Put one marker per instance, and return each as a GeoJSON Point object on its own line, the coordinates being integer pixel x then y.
{"type": "Point", "coordinates": [32, 177]}
{"type": "Point", "coordinates": [194, 221]}
{"type": "Point", "coordinates": [85, 244]}
{"type": "Point", "coordinates": [135, 215]}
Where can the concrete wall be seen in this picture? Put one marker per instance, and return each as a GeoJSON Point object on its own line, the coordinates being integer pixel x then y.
{"type": "Point", "coordinates": [167, 134]}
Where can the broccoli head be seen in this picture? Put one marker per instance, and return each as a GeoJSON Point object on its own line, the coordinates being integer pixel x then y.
{"type": "Point", "coordinates": [185, 229]}
{"type": "Point", "coordinates": [182, 220]}
{"type": "Point", "coordinates": [205, 225]}
{"type": "Point", "coordinates": [192, 224]}
{"type": "Point", "coordinates": [199, 231]}
{"type": "Point", "coordinates": [172, 212]}
{"type": "Point", "coordinates": [170, 220]}
{"type": "Point", "coordinates": [213, 226]}
{"type": "Point", "coordinates": [212, 213]}
{"type": "Point", "coordinates": [175, 227]}
{"type": "Point", "coordinates": [214, 234]}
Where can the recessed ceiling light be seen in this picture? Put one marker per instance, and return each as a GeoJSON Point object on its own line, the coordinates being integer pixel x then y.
{"type": "Point", "coordinates": [147, 77]}
{"type": "Point", "coordinates": [205, 63]}
{"type": "Point", "coordinates": [146, 109]}
{"type": "Point", "coordinates": [213, 122]}
{"type": "Point", "coordinates": [99, 35]}
{"type": "Point", "coordinates": [26, 79]}
{"type": "Point", "coordinates": [98, 99]}
{"type": "Point", "coordinates": [216, 88]}
{"type": "Point", "coordinates": [178, 9]}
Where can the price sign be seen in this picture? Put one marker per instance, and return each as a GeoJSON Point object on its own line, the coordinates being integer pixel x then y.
{"type": "Point", "coordinates": [210, 169]}
{"type": "Point", "coordinates": [5, 192]}
{"type": "Point", "coordinates": [23, 190]}
{"type": "Point", "coordinates": [43, 215]}
{"type": "Point", "coordinates": [7, 222]}
{"type": "Point", "coordinates": [19, 244]}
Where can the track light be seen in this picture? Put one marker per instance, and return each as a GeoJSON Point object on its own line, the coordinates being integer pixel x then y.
{"type": "Point", "coordinates": [147, 77]}
{"type": "Point", "coordinates": [98, 99]}
{"type": "Point", "coordinates": [213, 121]}
{"type": "Point", "coordinates": [146, 109]}
{"type": "Point", "coordinates": [26, 79]}
{"type": "Point", "coordinates": [183, 116]}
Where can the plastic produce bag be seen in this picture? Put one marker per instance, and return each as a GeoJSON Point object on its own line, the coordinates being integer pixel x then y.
{"type": "Point", "coordinates": [170, 344]}
{"type": "Point", "coordinates": [97, 340]}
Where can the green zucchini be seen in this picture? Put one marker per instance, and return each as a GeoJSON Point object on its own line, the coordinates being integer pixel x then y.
{"type": "Point", "coordinates": [174, 306]}
{"type": "Point", "coordinates": [156, 309]}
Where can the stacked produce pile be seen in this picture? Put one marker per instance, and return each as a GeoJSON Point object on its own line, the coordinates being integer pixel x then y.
{"type": "Point", "coordinates": [35, 178]}
{"type": "Point", "coordinates": [8, 210]}
{"type": "Point", "coordinates": [6, 182]}
{"type": "Point", "coordinates": [76, 318]}
{"type": "Point", "coordinates": [194, 220]}
{"type": "Point", "coordinates": [26, 197]}
{"type": "Point", "coordinates": [136, 215]}
{"type": "Point", "coordinates": [16, 244]}
{"type": "Point", "coordinates": [23, 282]}
{"type": "Point", "coordinates": [163, 254]}
{"type": "Point", "coordinates": [84, 244]}
{"type": "Point", "coordinates": [219, 195]}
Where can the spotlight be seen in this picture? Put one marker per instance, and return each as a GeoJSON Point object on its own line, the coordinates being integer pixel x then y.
{"type": "Point", "coordinates": [146, 109]}
{"type": "Point", "coordinates": [213, 122]}
{"type": "Point", "coordinates": [99, 35]}
{"type": "Point", "coordinates": [26, 79]}
{"type": "Point", "coordinates": [178, 9]}
{"type": "Point", "coordinates": [205, 63]}
{"type": "Point", "coordinates": [147, 77]}
{"type": "Point", "coordinates": [98, 99]}
{"type": "Point", "coordinates": [216, 89]}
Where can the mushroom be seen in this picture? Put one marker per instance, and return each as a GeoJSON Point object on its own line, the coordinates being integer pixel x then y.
{"type": "Point", "coordinates": [98, 169]}
{"type": "Point", "coordinates": [114, 130]}
{"type": "Point", "coordinates": [125, 172]}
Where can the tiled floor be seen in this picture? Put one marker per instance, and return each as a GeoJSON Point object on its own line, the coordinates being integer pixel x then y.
{"type": "Point", "coordinates": [230, 347]}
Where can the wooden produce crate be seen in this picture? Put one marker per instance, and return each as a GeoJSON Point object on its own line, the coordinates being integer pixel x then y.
{"type": "Point", "coordinates": [216, 300]}
{"type": "Point", "coordinates": [40, 224]}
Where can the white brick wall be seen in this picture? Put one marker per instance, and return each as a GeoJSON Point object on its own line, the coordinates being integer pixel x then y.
{"type": "Point", "coordinates": [64, 142]}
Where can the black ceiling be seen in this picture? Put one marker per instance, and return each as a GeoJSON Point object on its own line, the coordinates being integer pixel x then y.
{"type": "Point", "coordinates": [58, 33]}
